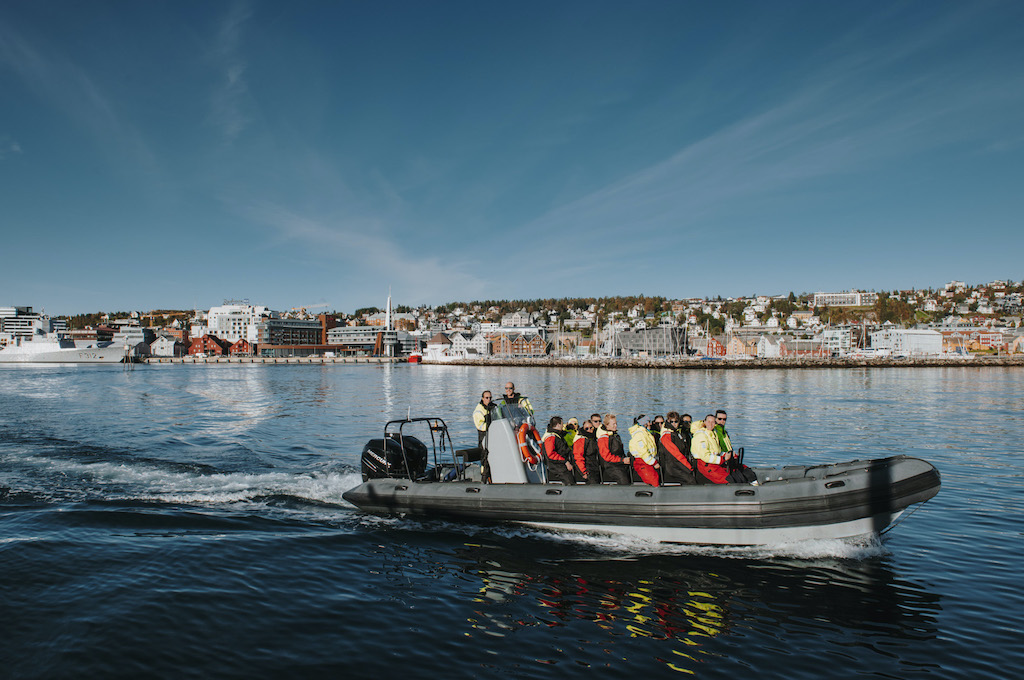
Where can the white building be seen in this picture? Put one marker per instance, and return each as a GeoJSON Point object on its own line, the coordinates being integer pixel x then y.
{"type": "Point", "coordinates": [852, 298]}
{"type": "Point", "coordinates": [23, 322]}
{"type": "Point", "coordinates": [167, 346]}
{"type": "Point", "coordinates": [439, 348]}
{"type": "Point", "coordinates": [768, 347]}
{"type": "Point", "coordinates": [517, 319]}
{"type": "Point", "coordinates": [233, 322]}
{"type": "Point", "coordinates": [837, 341]}
{"type": "Point", "coordinates": [907, 342]}
{"type": "Point", "coordinates": [469, 345]}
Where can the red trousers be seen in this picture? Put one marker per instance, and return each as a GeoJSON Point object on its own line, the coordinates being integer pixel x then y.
{"type": "Point", "coordinates": [648, 473]}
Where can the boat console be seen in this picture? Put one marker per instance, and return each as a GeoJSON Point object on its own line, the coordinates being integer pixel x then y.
{"type": "Point", "coordinates": [421, 449]}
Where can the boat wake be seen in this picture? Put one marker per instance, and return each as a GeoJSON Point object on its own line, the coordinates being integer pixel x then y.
{"type": "Point", "coordinates": [57, 479]}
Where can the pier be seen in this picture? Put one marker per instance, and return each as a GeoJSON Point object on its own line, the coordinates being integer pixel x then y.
{"type": "Point", "coordinates": [726, 363]}
{"type": "Point", "coordinates": [273, 360]}
{"type": "Point", "coordinates": [974, 361]}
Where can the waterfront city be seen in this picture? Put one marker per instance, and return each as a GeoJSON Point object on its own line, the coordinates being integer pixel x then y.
{"type": "Point", "coordinates": [955, 321]}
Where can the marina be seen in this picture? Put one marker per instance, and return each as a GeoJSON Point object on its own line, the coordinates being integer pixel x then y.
{"type": "Point", "coordinates": [274, 360]}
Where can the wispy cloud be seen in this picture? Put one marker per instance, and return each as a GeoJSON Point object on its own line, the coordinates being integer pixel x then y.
{"type": "Point", "coordinates": [366, 249]}
{"type": "Point", "coordinates": [75, 93]}
{"type": "Point", "coordinates": [227, 105]}
{"type": "Point", "coordinates": [853, 114]}
{"type": "Point", "coordinates": [8, 147]}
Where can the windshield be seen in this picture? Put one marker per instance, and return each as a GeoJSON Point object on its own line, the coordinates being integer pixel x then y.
{"type": "Point", "coordinates": [513, 412]}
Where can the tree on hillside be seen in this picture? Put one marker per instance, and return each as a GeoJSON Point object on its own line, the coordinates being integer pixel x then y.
{"type": "Point", "coordinates": [734, 309]}
{"type": "Point", "coordinates": [892, 310]}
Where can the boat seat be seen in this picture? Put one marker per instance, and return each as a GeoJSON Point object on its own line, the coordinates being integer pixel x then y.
{"type": "Point", "coordinates": [469, 455]}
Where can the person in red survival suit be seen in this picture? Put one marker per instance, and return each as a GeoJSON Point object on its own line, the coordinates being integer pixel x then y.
{"type": "Point", "coordinates": [615, 466]}
{"type": "Point", "coordinates": [584, 453]}
{"type": "Point", "coordinates": [677, 464]}
{"type": "Point", "coordinates": [556, 451]}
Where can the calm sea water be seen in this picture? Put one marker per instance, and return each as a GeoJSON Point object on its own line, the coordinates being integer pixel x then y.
{"type": "Point", "coordinates": [187, 521]}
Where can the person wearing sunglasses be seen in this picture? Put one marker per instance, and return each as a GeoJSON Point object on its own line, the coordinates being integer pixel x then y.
{"type": "Point", "coordinates": [585, 453]}
{"type": "Point", "coordinates": [723, 437]}
{"type": "Point", "coordinates": [677, 465]}
{"type": "Point", "coordinates": [738, 472]}
{"type": "Point", "coordinates": [482, 419]}
{"type": "Point", "coordinates": [513, 397]}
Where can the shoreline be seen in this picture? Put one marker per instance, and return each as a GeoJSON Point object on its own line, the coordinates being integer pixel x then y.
{"type": "Point", "coordinates": [573, 362]}
{"type": "Point", "coordinates": [272, 360]}
{"type": "Point", "coordinates": [726, 364]}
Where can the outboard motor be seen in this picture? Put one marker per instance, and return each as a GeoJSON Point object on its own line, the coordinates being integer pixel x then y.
{"type": "Point", "coordinates": [383, 458]}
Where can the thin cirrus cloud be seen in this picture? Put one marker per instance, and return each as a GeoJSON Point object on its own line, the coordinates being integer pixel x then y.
{"type": "Point", "coordinates": [366, 251]}
{"type": "Point", "coordinates": [8, 147]}
{"type": "Point", "coordinates": [71, 90]}
{"type": "Point", "coordinates": [838, 121]}
{"type": "Point", "coordinates": [229, 99]}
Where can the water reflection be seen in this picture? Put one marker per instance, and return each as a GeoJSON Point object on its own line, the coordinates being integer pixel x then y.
{"type": "Point", "coordinates": [684, 611]}
{"type": "Point", "coordinates": [387, 390]}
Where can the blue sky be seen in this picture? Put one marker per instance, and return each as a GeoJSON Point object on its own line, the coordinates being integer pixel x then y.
{"type": "Point", "coordinates": [174, 154]}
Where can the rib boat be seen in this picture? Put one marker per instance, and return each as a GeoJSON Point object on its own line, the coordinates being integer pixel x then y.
{"type": "Point", "coordinates": [787, 504]}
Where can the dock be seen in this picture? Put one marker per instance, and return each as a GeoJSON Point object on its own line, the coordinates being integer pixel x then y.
{"type": "Point", "coordinates": [274, 360]}
{"type": "Point", "coordinates": [726, 363]}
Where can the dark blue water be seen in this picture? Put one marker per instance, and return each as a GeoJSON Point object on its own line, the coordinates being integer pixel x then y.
{"type": "Point", "coordinates": [187, 521]}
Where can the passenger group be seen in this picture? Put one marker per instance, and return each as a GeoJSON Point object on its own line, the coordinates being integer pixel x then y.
{"type": "Point", "coordinates": [670, 449]}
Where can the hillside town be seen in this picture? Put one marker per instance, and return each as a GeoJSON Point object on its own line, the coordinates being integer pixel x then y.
{"type": "Point", "coordinates": [956, 320]}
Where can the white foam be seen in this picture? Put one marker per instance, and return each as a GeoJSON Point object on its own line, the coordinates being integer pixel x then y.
{"type": "Point", "coordinates": [152, 483]}
{"type": "Point", "coordinates": [859, 548]}
{"type": "Point", "coordinates": [624, 546]}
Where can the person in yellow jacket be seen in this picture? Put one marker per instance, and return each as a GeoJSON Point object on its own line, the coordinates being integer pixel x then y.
{"type": "Point", "coordinates": [644, 450]}
{"type": "Point", "coordinates": [482, 416]}
{"type": "Point", "coordinates": [705, 447]}
{"type": "Point", "coordinates": [705, 444]}
{"type": "Point", "coordinates": [482, 421]}
{"type": "Point", "coordinates": [513, 397]}
{"type": "Point", "coordinates": [572, 430]}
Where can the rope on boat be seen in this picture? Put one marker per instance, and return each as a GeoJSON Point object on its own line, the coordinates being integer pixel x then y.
{"type": "Point", "coordinates": [898, 522]}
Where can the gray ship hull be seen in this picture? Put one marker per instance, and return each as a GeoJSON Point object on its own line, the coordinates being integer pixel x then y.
{"type": "Point", "coordinates": [54, 354]}
{"type": "Point", "coordinates": [789, 504]}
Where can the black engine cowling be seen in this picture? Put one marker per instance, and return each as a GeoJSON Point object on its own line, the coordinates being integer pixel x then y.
{"type": "Point", "coordinates": [383, 458]}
